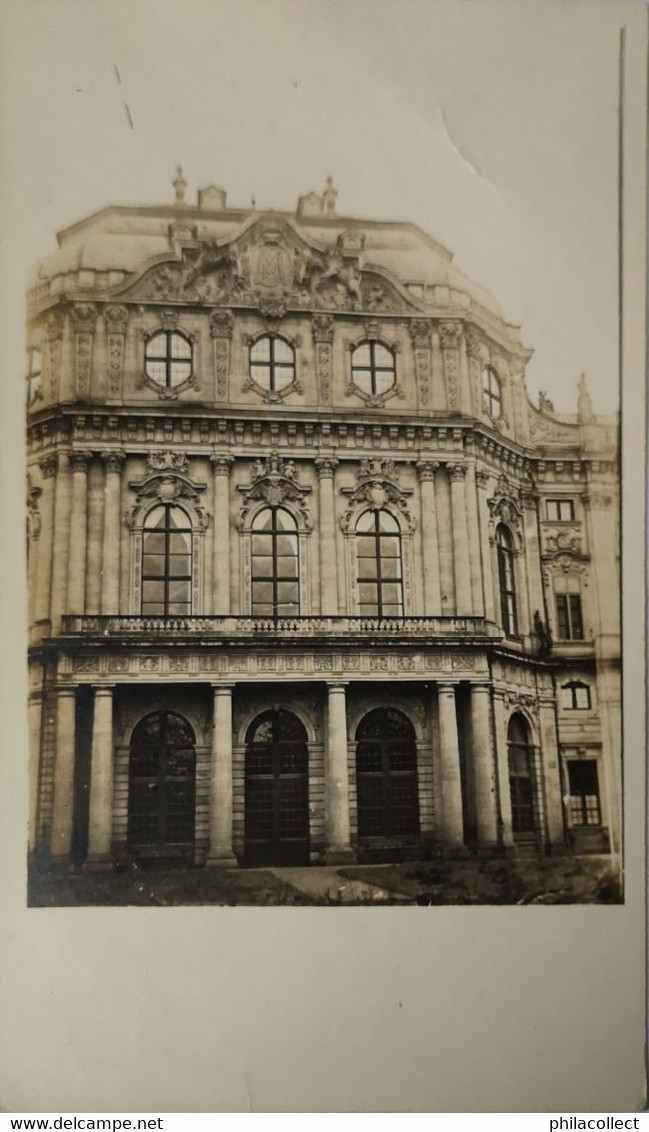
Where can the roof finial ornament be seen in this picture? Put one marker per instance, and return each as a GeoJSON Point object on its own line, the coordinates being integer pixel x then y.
{"type": "Point", "coordinates": [179, 184]}
{"type": "Point", "coordinates": [329, 196]}
{"type": "Point", "coordinates": [584, 403]}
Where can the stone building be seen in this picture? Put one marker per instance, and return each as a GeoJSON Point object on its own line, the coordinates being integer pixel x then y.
{"type": "Point", "coordinates": [310, 577]}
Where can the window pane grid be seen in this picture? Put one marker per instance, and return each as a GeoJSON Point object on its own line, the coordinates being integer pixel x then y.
{"type": "Point", "coordinates": [272, 363]}
{"type": "Point", "coordinates": [491, 393]}
{"type": "Point", "coordinates": [168, 358]}
{"type": "Point", "coordinates": [569, 617]}
{"type": "Point", "coordinates": [373, 368]}
{"type": "Point", "coordinates": [380, 590]}
{"type": "Point", "coordinates": [275, 565]}
{"type": "Point", "coordinates": [167, 577]}
{"type": "Point", "coordinates": [507, 584]}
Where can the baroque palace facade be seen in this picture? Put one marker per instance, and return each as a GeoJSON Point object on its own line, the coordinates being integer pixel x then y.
{"type": "Point", "coordinates": [310, 578]}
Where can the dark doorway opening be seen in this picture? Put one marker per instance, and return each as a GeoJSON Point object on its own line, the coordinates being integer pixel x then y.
{"type": "Point", "coordinates": [277, 791]}
{"type": "Point", "coordinates": [162, 787]}
{"type": "Point", "coordinates": [386, 776]}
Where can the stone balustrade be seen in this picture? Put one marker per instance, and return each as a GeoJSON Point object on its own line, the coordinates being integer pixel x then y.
{"type": "Point", "coordinates": [422, 628]}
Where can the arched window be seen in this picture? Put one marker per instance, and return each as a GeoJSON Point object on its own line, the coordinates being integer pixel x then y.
{"type": "Point", "coordinates": [521, 777]}
{"type": "Point", "coordinates": [272, 363]}
{"type": "Point", "coordinates": [507, 581]}
{"type": "Point", "coordinates": [386, 775]}
{"type": "Point", "coordinates": [167, 562]}
{"type": "Point", "coordinates": [275, 564]}
{"type": "Point", "coordinates": [168, 359]}
{"type": "Point", "coordinates": [373, 368]}
{"type": "Point", "coordinates": [162, 785]}
{"type": "Point", "coordinates": [570, 623]}
{"type": "Point", "coordinates": [276, 791]}
{"type": "Point", "coordinates": [576, 695]}
{"type": "Point", "coordinates": [378, 558]}
{"type": "Point", "coordinates": [491, 397]}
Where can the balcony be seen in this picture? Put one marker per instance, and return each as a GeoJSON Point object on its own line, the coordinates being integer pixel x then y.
{"type": "Point", "coordinates": [242, 629]}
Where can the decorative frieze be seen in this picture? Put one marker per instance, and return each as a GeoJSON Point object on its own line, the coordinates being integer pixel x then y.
{"type": "Point", "coordinates": [116, 322]}
{"type": "Point", "coordinates": [450, 336]}
{"type": "Point", "coordinates": [84, 318]}
{"type": "Point", "coordinates": [429, 664]}
{"type": "Point", "coordinates": [221, 327]}
{"type": "Point", "coordinates": [421, 340]}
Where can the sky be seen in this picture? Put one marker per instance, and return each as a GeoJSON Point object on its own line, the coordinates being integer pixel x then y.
{"type": "Point", "coordinates": [492, 127]}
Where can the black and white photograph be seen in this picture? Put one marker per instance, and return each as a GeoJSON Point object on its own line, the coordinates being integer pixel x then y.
{"type": "Point", "coordinates": [327, 354]}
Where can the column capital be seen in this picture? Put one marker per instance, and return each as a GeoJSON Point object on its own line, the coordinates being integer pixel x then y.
{"type": "Point", "coordinates": [79, 461]}
{"type": "Point", "coordinates": [103, 689]}
{"type": "Point", "coordinates": [457, 471]}
{"type": "Point", "coordinates": [48, 465]}
{"type": "Point", "coordinates": [221, 463]}
{"type": "Point", "coordinates": [450, 334]}
{"type": "Point", "coordinates": [447, 686]}
{"type": "Point", "coordinates": [224, 689]}
{"type": "Point", "coordinates": [322, 328]}
{"type": "Point", "coordinates": [337, 685]}
{"type": "Point", "coordinates": [480, 686]}
{"type": "Point", "coordinates": [326, 466]}
{"type": "Point", "coordinates": [482, 477]}
{"type": "Point", "coordinates": [221, 324]}
{"type": "Point", "coordinates": [114, 461]}
{"type": "Point", "coordinates": [66, 689]}
{"type": "Point", "coordinates": [427, 469]}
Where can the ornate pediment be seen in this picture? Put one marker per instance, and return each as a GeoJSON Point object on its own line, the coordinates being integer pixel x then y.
{"type": "Point", "coordinates": [504, 505]}
{"type": "Point", "coordinates": [270, 263]}
{"type": "Point", "coordinates": [378, 488]}
{"type": "Point", "coordinates": [166, 480]}
{"type": "Point", "coordinates": [275, 483]}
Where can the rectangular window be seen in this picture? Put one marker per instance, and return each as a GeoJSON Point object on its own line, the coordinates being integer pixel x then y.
{"type": "Point", "coordinates": [560, 510]}
{"type": "Point", "coordinates": [570, 626]}
{"type": "Point", "coordinates": [584, 792]}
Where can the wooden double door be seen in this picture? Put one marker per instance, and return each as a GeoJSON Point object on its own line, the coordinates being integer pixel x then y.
{"type": "Point", "coordinates": [276, 791]}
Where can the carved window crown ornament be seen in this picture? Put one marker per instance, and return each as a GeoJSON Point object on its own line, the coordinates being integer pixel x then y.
{"type": "Point", "coordinates": [167, 480]}
{"type": "Point", "coordinates": [275, 484]}
{"type": "Point", "coordinates": [377, 489]}
{"type": "Point", "coordinates": [505, 507]}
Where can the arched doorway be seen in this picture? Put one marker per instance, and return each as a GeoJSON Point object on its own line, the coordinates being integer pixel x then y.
{"type": "Point", "coordinates": [277, 791]}
{"type": "Point", "coordinates": [522, 788]}
{"type": "Point", "coordinates": [386, 775]}
{"type": "Point", "coordinates": [162, 786]}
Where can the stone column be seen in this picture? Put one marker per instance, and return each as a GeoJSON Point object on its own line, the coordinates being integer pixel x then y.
{"type": "Point", "coordinates": [484, 770]}
{"type": "Point", "coordinates": [482, 480]}
{"type": "Point", "coordinates": [61, 547]}
{"type": "Point", "coordinates": [45, 541]}
{"type": "Point", "coordinates": [502, 763]}
{"type": "Point", "coordinates": [96, 500]}
{"type": "Point", "coordinates": [326, 466]}
{"type": "Point", "coordinates": [553, 793]}
{"type": "Point", "coordinates": [100, 823]}
{"type": "Point", "coordinates": [113, 462]}
{"type": "Point", "coordinates": [63, 806]}
{"type": "Point", "coordinates": [337, 776]}
{"type": "Point", "coordinates": [221, 464]}
{"type": "Point", "coordinates": [530, 501]}
{"type": "Point", "coordinates": [35, 712]}
{"type": "Point", "coordinates": [473, 527]}
{"type": "Point", "coordinates": [461, 561]}
{"type": "Point", "coordinates": [452, 824]}
{"type": "Point", "coordinates": [430, 548]}
{"type": "Point", "coordinates": [78, 536]}
{"type": "Point", "coordinates": [220, 850]}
